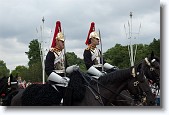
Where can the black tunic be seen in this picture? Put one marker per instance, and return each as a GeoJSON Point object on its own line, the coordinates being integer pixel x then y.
{"type": "Point", "coordinates": [88, 58]}
{"type": "Point", "coordinates": [49, 63]}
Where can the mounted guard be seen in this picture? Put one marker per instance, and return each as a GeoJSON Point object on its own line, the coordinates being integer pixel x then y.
{"type": "Point", "coordinates": [94, 62]}
{"type": "Point", "coordinates": [55, 64]}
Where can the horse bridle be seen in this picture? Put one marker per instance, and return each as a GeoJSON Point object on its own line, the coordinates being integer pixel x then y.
{"type": "Point", "coordinates": [141, 96]}
{"type": "Point", "coordinates": [144, 93]}
{"type": "Point", "coordinates": [156, 85]}
{"type": "Point", "coordinates": [152, 69]}
{"type": "Point", "coordinates": [100, 96]}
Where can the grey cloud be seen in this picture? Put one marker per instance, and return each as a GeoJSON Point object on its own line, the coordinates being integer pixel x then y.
{"type": "Point", "coordinates": [19, 19]}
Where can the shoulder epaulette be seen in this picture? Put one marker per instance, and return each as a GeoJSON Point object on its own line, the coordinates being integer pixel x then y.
{"type": "Point", "coordinates": [87, 48]}
{"type": "Point", "coordinates": [52, 49]}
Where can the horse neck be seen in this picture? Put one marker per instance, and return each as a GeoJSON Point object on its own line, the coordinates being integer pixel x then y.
{"type": "Point", "coordinates": [119, 75]}
{"type": "Point", "coordinates": [116, 83]}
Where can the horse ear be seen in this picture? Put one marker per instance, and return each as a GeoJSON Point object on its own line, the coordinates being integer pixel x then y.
{"type": "Point", "coordinates": [152, 55]}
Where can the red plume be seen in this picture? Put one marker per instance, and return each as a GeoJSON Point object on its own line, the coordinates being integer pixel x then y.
{"type": "Point", "coordinates": [92, 28]}
{"type": "Point", "coordinates": [57, 30]}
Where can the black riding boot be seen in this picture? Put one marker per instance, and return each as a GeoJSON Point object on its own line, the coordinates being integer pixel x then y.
{"type": "Point", "coordinates": [67, 99]}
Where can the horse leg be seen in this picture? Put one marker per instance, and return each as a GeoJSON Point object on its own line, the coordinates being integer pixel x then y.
{"type": "Point", "coordinates": [17, 99]}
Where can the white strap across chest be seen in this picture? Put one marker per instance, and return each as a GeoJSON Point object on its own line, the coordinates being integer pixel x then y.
{"type": "Point", "coordinates": [95, 55]}
{"type": "Point", "coordinates": [59, 57]}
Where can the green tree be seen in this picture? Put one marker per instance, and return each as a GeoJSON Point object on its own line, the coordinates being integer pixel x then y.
{"type": "Point", "coordinates": [72, 59]}
{"type": "Point", "coordinates": [34, 52]}
{"type": "Point", "coordinates": [117, 56]}
{"type": "Point", "coordinates": [4, 71]}
{"type": "Point", "coordinates": [35, 72]}
{"type": "Point", "coordinates": [155, 46]}
{"type": "Point", "coordinates": [35, 65]}
{"type": "Point", "coordinates": [21, 71]}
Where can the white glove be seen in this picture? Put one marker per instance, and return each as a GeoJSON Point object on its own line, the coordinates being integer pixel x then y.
{"type": "Point", "coordinates": [115, 67]}
{"type": "Point", "coordinates": [103, 73]}
{"type": "Point", "coordinates": [62, 81]}
{"type": "Point", "coordinates": [92, 70]}
{"type": "Point", "coordinates": [72, 68]}
{"type": "Point", "coordinates": [109, 66]}
{"type": "Point", "coordinates": [65, 81]}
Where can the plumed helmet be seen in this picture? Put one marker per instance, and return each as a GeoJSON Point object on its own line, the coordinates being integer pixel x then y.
{"type": "Point", "coordinates": [92, 33]}
{"type": "Point", "coordinates": [57, 34]}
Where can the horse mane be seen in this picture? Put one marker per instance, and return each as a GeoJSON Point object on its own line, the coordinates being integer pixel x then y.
{"type": "Point", "coordinates": [116, 76]}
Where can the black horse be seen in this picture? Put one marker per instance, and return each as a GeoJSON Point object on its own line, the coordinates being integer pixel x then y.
{"type": "Point", "coordinates": [151, 70]}
{"type": "Point", "coordinates": [152, 73]}
{"type": "Point", "coordinates": [89, 92]}
{"type": "Point", "coordinates": [107, 90]}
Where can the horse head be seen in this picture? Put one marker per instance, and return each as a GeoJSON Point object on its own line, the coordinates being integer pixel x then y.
{"type": "Point", "coordinates": [139, 88]}
{"type": "Point", "coordinates": [147, 69]}
{"type": "Point", "coordinates": [151, 68]}
{"type": "Point", "coordinates": [131, 80]}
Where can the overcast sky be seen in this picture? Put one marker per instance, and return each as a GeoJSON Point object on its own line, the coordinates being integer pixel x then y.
{"type": "Point", "coordinates": [19, 20]}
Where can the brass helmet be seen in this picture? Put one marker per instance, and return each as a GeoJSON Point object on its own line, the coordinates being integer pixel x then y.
{"type": "Point", "coordinates": [60, 36]}
{"type": "Point", "coordinates": [94, 35]}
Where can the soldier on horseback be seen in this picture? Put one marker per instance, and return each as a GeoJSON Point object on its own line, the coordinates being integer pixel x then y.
{"type": "Point", "coordinates": [55, 63]}
{"type": "Point", "coordinates": [93, 56]}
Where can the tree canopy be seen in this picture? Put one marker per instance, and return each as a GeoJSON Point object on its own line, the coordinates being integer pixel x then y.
{"type": "Point", "coordinates": [4, 71]}
{"type": "Point", "coordinates": [117, 55]}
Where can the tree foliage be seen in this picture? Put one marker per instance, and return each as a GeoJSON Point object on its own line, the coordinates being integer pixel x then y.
{"type": "Point", "coordinates": [117, 55]}
{"type": "Point", "coordinates": [34, 52]}
{"type": "Point", "coordinates": [72, 59]}
{"type": "Point", "coordinates": [4, 71]}
{"type": "Point", "coordinates": [21, 71]}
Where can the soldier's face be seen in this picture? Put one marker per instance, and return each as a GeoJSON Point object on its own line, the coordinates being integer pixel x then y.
{"type": "Point", "coordinates": [95, 41]}
{"type": "Point", "coordinates": [60, 44]}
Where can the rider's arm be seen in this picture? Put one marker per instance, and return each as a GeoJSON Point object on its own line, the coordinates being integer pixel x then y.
{"type": "Point", "coordinates": [87, 58]}
{"type": "Point", "coordinates": [49, 63]}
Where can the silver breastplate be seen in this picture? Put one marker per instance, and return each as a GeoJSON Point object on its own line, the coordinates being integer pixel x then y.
{"type": "Point", "coordinates": [96, 56]}
{"type": "Point", "coordinates": [59, 62]}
